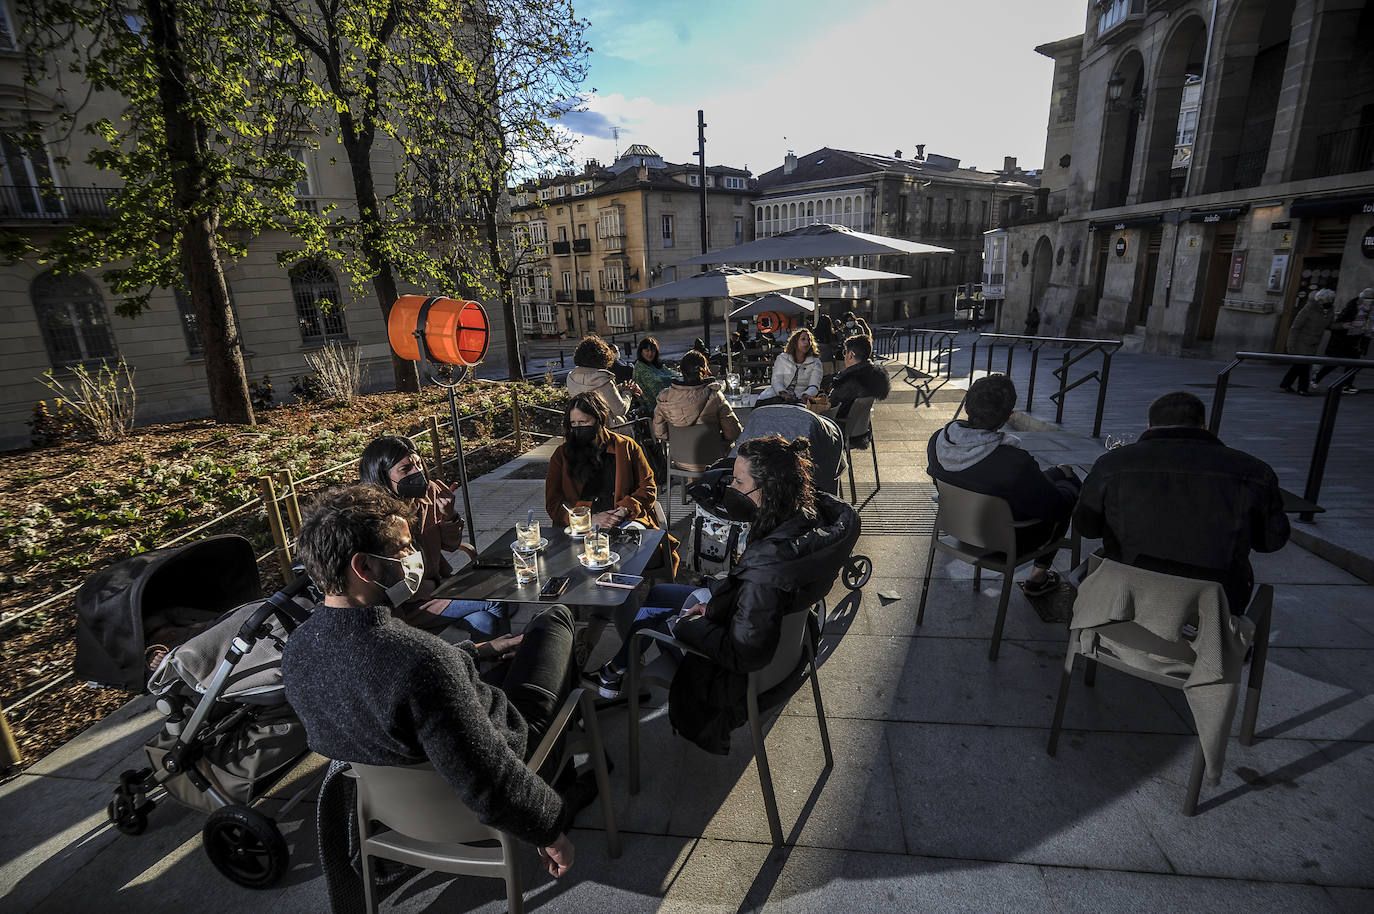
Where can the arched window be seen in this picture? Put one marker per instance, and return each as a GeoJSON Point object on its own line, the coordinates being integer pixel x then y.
{"type": "Point", "coordinates": [829, 208]}
{"type": "Point", "coordinates": [319, 306]}
{"type": "Point", "coordinates": [71, 317]}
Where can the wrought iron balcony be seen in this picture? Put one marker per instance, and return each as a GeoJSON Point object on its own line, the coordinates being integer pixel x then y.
{"type": "Point", "coordinates": [586, 296]}
{"type": "Point", "coordinates": [562, 296]}
{"type": "Point", "coordinates": [28, 203]}
{"type": "Point", "coordinates": [562, 248]}
{"type": "Point", "coordinates": [582, 245]}
{"type": "Point", "coordinates": [1344, 151]}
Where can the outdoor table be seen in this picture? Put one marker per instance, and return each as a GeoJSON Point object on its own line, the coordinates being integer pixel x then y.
{"type": "Point", "coordinates": [742, 400]}
{"type": "Point", "coordinates": [492, 576]}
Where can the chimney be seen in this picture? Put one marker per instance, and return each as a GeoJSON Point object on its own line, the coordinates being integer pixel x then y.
{"type": "Point", "coordinates": [1009, 165]}
{"type": "Point", "coordinates": [642, 174]}
{"type": "Point", "coordinates": [789, 163]}
{"type": "Point", "coordinates": [920, 150]}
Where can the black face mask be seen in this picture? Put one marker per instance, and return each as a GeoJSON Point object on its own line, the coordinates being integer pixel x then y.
{"type": "Point", "coordinates": [413, 486]}
{"type": "Point", "coordinates": [738, 506]}
{"type": "Point", "coordinates": [582, 435]}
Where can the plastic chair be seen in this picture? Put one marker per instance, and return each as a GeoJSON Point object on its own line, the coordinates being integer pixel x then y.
{"type": "Point", "coordinates": [794, 647]}
{"type": "Point", "coordinates": [858, 423]}
{"type": "Point", "coordinates": [983, 535]}
{"type": "Point", "coordinates": [409, 813]}
{"type": "Point", "coordinates": [692, 445]}
{"type": "Point", "coordinates": [1134, 636]}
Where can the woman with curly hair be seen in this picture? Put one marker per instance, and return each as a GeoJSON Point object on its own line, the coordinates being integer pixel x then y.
{"type": "Point", "coordinates": [797, 371]}
{"type": "Point", "coordinates": [798, 538]}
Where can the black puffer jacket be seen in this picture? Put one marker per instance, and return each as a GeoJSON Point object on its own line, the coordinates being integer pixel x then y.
{"type": "Point", "coordinates": [862, 379]}
{"type": "Point", "coordinates": [788, 570]}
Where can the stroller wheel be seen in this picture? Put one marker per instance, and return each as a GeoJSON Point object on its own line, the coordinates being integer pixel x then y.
{"type": "Point", "coordinates": [125, 816]}
{"type": "Point", "coordinates": [245, 846]}
{"type": "Point", "coordinates": [857, 571]}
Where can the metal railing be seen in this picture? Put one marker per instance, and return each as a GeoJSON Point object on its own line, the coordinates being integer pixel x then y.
{"type": "Point", "coordinates": [1344, 151]}
{"type": "Point", "coordinates": [1321, 446]}
{"type": "Point", "coordinates": [1074, 351]}
{"type": "Point", "coordinates": [49, 203]}
{"type": "Point", "coordinates": [929, 349]}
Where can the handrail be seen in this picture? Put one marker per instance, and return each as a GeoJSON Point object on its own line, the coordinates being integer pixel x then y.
{"type": "Point", "coordinates": [925, 347]}
{"type": "Point", "coordinates": [1102, 375]}
{"type": "Point", "coordinates": [1326, 426]}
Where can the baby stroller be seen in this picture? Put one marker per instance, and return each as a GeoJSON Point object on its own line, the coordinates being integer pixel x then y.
{"type": "Point", "coordinates": [188, 624]}
{"type": "Point", "coordinates": [719, 538]}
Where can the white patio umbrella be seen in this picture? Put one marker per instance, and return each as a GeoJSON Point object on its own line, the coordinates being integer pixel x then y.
{"type": "Point", "coordinates": [722, 282]}
{"type": "Point", "coordinates": [816, 247]}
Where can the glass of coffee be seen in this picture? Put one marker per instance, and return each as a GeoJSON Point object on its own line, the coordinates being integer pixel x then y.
{"type": "Point", "coordinates": [597, 548]}
{"type": "Point", "coordinates": [580, 520]}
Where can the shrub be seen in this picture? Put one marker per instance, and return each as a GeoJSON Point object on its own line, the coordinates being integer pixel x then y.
{"type": "Point", "coordinates": [100, 405]}
{"type": "Point", "coordinates": [306, 388]}
{"type": "Point", "coordinates": [338, 371]}
{"type": "Point", "coordinates": [260, 393]}
{"type": "Point", "coordinates": [49, 426]}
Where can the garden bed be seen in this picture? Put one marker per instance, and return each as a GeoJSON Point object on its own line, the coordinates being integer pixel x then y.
{"type": "Point", "coordinates": [71, 509]}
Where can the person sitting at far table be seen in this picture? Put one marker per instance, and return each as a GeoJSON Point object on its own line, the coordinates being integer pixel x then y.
{"type": "Point", "coordinates": [594, 359]}
{"type": "Point", "coordinates": [695, 400]}
{"type": "Point", "coordinates": [859, 377]}
{"type": "Point", "coordinates": [797, 371]}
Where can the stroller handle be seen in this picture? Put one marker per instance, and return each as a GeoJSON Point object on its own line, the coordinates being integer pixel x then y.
{"type": "Point", "coordinates": [275, 605]}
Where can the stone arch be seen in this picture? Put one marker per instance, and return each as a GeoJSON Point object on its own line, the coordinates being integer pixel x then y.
{"type": "Point", "coordinates": [1120, 128]}
{"type": "Point", "coordinates": [1042, 264]}
{"type": "Point", "coordinates": [1336, 125]}
{"type": "Point", "coordinates": [1242, 105]}
{"type": "Point", "coordinates": [1175, 91]}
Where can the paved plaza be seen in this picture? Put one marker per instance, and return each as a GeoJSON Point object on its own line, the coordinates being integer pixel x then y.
{"type": "Point", "coordinates": [942, 797]}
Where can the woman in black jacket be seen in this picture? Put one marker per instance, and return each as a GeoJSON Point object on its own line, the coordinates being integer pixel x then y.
{"type": "Point", "coordinates": [798, 542]}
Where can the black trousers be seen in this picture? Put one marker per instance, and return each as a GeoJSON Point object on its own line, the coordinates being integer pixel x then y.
{"type": "Point", "coordinates": [539, 677]}
{"type": "Point", "coordinates": [1299, 373]}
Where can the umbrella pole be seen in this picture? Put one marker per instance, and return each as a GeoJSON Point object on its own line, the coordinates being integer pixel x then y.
{"type": "Point", "coordinates": [816, 295]}
{"type": "Point", "coordinates": [729, 355]}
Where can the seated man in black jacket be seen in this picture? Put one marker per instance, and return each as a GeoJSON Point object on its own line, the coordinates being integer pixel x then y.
{"type": "Point", "coordinates": [1180, 502]}
{"type": "Point", "coordinates": [859, 377]}
{"type": "Point", "coordinates": [372, 689]}
{"type": "Point", "coordinates": [975, 454]}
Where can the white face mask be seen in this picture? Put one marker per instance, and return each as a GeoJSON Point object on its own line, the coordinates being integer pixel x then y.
{"type": "Point", "coordinates": [413, 566]}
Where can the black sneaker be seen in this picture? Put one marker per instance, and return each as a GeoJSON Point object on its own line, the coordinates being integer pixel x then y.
{"type": "Point", "coordinates": [610, 681]}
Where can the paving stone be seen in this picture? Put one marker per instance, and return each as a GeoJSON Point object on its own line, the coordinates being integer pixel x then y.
{"type": "Point", "coordinates": [1076, 891]}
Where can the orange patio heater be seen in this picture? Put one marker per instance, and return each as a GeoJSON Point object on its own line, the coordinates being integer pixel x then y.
{"type": "Point", "coordinates": [449, 331]}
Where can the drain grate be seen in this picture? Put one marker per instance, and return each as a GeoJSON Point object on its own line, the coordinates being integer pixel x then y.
{"type": "Point", "coordinates": [897, 509]}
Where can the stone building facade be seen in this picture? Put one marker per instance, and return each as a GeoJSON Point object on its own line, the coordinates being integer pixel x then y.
{"type": "Point", "coordinates": [1214, 250]}
{"type": "Point", "coordinates": [603, 233]}
{"type": "Point", "coordinates": [927, 198]}
{"type": "Point", "coordinates": [56, 322]}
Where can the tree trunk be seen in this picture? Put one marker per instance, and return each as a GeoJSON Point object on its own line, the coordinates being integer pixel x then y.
{"type": "Point", "coordinates": [516, 368]}
{"type": "Point", "coordinates": [186, 142]}
{"type": "Point", "coordinates": [359, 152]}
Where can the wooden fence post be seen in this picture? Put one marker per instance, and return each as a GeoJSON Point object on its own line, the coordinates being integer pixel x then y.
{"type": "Point", "coordinates": [293, 504]}
{"type": "Point", "coordinates": [434, 442]}
{"type": "Point", "coordinates": [515, 418]}
{"type": "Point", "coordinates": [9, 750]}
{"type": "Point", "coordinates": [268, 491]}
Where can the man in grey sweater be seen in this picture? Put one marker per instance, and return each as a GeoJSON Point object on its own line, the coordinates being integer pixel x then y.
{"type": "Point", "coordinates": [372, 689]}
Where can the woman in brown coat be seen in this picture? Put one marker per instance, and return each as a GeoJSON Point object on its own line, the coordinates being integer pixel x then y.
{"type": "Point", "coordinates": [605, 471]}
{"type": "Point", "coordinates": [695, 400]}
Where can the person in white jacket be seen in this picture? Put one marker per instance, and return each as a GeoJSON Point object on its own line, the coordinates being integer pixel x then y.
{"type": "Point", "coordinates": [797, 372]}
{"type": "Point", "coordinates": [593, 359]}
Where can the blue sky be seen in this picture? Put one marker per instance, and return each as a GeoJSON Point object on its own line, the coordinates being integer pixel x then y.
{"type": "Point", "coordinates": [871, 75]}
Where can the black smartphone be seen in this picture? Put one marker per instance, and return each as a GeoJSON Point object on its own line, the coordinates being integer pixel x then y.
{"type": "Point", "coordinates": [553, 587]}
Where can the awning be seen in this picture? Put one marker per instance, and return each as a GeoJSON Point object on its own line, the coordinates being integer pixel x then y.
{"type": "Point", "coordinates": [1224, 214]}
{"type": "Point", "coordinates": [1128, 222]}
{"type": "Point", "coordinates": [1333, 206]}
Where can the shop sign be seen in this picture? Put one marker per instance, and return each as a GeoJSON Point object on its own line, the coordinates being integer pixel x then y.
{"type": "Point", "coordinates": [1367, 244]}
{"type": "Point", "coordinates": [1121, 246]}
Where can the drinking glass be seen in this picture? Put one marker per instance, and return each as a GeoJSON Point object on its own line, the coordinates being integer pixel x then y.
{"type": "Point", "coordinates": [527, 534]}
{"type": "Point", "coordinates": [597, 547]}
{"type": "Point", "coordinates": [526, 566]}
{"type": "Point", "coordinates": [580, 520]}
{"type": "Point", "coordinates": [1118, 439]}
{"type": "Point", "coordinates": [732, 382]}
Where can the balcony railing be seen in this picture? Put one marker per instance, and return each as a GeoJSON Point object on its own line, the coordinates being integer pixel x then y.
{"type": "Point", "coordinates": [1345, 151]}
{"type": "Point", "coordinates": [33, 203]}
{"type": "Point", "coordinates": [562, 248]}
{"type": "Point", "coordinates": [562, 296]}
{"type": "Point", "coordinates": [582, 245]}
{"type": "Point", "coordinates": [586, 296]}
{"type": "Point", "coordinates": [1239, 172]}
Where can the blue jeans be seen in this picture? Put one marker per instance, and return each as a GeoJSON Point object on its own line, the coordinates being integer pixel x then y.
{"type": "Point", "coordinates": [482, 617]}
{"type": "Point", "coordinates": [663, 602]}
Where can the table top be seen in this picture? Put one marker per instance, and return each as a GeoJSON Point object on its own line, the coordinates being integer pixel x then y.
{"type": "Point", "coordinates": [493, 577]}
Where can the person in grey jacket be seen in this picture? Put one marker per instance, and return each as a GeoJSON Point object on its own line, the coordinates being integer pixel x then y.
{"type": "Point", "coordinates": [374, 690]}
{"type": "Point", "coordinates": [1305, 336]}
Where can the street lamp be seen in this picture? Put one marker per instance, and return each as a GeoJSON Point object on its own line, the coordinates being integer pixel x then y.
{"type": "Point", "coordinates": [1114, 87]}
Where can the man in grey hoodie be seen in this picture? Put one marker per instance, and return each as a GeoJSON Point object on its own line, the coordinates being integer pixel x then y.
{"type": "Point", "coordinates": [975, 454]}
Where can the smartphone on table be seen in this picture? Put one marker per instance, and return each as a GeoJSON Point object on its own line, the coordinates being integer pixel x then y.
{"type": "Point", "coordinates": [553, 587]}
{"type": "Point", "coordinates": [627, 581]}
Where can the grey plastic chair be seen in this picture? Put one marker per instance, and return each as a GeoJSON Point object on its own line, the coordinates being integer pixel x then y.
{"type": "Point", "coordinates": [1136, 637]}
{"type": "Point", "coordinates": [794, 647]}
{"type": "Point", "coordinates": [693, 445]}
{"type": "Point", "coordinates": [410, 813]}
{"type": "Point", "coordinates": [982, 533]}
{"type": "Point", "coordinates": [858, 423]}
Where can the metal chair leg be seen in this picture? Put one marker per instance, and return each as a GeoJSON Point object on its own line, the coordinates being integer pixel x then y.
{"type": "Point", "coordinates": [849, 460]}
{"type": "Point", "coordinates": [770, 800]}
{"type": "Point", "coordinates": [1090, 672]}
{"type": "Point", "coordinates": [369, 882]}
{"type": "Point", "coordinates": [977, 576]}
{"type": "Point", "coordinates": [1002, 602]}
{"type": "Point", "coordinates": [873, 446]}
{"type": "Point", "coordinates": [632, 681]}
{"type": "Point", "coordinates": [1065, 678]}
{"type": "Point", "coordinates": [515, 898]}
{"type": "Point", "coordinates": [1194, 782]}
{"type": "Point", "coordinates": [820, 713]}
{"type": "Point", "coordinates": [603, 777]}
{"type": "Point", "coordinates": [930, 565]}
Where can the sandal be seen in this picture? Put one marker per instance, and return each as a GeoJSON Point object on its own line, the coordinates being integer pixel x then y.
{"type": "Point", "coordinates": [1040, 588]}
